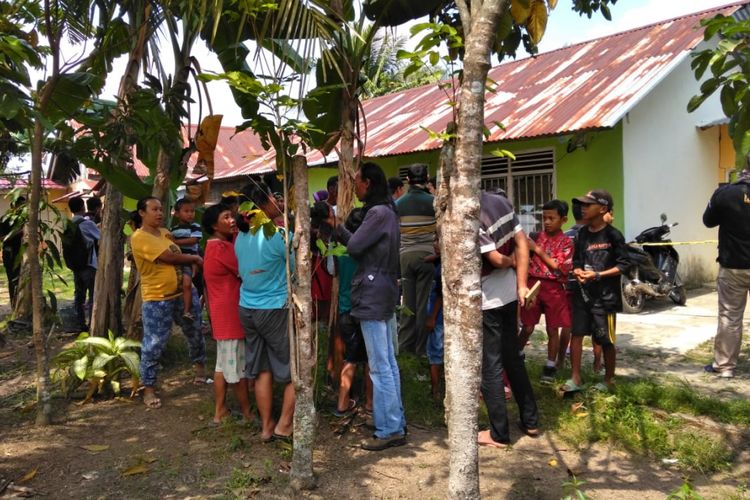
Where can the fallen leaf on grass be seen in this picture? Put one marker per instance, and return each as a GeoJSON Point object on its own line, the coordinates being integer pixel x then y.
{"type": "Point", "coordinates": [90, 475]}
{"type": "Point", "coordinates": [28, 476]}
{"type": "Point", "coordinates": [552, 462]}
{"type": "Point", "coordinates": [136, 469]}
{"type": "Point", "coordinates": [95, 448]}
{"type": "Point", "coordinates": [582, 414]}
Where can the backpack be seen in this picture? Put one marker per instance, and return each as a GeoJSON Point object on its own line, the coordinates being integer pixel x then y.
{"type": "Point", "coordinates": [74, 250]}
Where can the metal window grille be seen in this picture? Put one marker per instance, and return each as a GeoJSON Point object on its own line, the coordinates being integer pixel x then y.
{"type": "Point", "coordinates": [528, 181]}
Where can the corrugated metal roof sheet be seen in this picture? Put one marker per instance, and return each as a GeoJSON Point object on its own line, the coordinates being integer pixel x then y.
{"type": "Point", "coordinates": [588, 85]}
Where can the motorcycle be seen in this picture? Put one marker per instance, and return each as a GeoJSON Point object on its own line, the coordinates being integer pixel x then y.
{"type": "Point", "coordinates": [653, 270]}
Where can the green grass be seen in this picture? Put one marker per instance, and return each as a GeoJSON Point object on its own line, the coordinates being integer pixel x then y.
{"type": "Point", "coordinates": [643, 418]}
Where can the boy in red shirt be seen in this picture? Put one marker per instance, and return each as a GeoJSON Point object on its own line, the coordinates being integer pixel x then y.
{"type": "Point", "coordinates": [551, 261]}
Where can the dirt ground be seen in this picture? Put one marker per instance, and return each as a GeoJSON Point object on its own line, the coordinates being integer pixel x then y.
{"type": "Point", "coordinates": [173, 453]}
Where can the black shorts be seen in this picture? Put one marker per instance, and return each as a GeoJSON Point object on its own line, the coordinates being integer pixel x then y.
{"type": "Point", "coordinates": [351, 334]}
{"type": "Point", "coordinates": [595, 321]}
{"type": "Point", "coordinates": [266, 343]}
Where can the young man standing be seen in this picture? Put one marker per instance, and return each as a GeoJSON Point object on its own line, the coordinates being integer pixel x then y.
{"type": "Point", "coordinates": [729, 209]}
{"type": "Point", "coordinates": [417, 221]}
{"type": "Point", "coordinates": [84, 275]}
{"type": "Point", "coordinates": [505, 256]}
{"type": "Point", "coordinates": [264, 314]}
{"type": "Point", "coordinates": [600, 256]}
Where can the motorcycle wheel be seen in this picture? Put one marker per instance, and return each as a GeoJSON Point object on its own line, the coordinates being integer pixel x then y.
{"type": "Point", "coordinates": [678, 295]}
{"type": "Point", "coordinates": [632, 302]}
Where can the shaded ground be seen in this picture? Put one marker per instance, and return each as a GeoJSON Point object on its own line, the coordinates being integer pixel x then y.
{"type": "Point", "coordinates": [172, 453]}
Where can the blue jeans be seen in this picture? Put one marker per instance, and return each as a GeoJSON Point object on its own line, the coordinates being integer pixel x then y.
{"type": "Point", "coordinates": [388, 410]}
{"type": "Point", "coordinates": [435, 348]}
{"type": "Point", "coordinates": [158, 317]}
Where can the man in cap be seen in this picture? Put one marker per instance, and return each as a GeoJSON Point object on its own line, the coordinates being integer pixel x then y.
{"type": "Point", "coordinates": [729, 209]}
{"type": "Point", "coordinates": [417, 220]}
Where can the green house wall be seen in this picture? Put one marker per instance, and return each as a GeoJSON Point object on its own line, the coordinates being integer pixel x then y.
{"type": "Point", "coordinates": [597, 165]}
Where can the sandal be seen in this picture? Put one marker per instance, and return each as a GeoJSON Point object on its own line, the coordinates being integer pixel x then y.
{"type": "Point", "coordinates": [529, 431]}
{"type": "Point", "coordinates": [345, 413]}
{"type": "Point", "coordinates": [570, 386]}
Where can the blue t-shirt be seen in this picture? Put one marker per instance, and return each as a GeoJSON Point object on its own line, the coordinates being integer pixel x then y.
{"type": "Point", "coordinates": [262, 266]}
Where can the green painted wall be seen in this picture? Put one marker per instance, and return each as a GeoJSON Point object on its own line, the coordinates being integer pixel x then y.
{"type": "Point", "coordinates": [599, 165]}
{"type": "Point", "coordinates": [317, 178]}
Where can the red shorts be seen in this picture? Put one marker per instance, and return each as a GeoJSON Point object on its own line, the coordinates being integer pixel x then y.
{"type": "Point", "coordinates": [552, 301]}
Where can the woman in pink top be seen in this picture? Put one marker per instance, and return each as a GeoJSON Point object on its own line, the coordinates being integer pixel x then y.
{"type": "Point", "coordinates": [223, 297]}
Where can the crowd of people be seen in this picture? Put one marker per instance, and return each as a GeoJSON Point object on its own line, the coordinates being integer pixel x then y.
{"type": "Point", "coordinates": [389, 297]}
{"type": "Point", "coordinates": [390, 294]}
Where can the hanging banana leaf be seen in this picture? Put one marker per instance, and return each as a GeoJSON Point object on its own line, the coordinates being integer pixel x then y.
{"type": "Point", "coordinates": [395, 12]}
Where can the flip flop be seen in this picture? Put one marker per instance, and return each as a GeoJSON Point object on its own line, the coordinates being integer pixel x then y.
{"type": "Point", "coordinates": [152, 403]}
{"type": "Point", "coordinates": [281, 437]}
{"type": "Point", "coordinates": [570, 386]}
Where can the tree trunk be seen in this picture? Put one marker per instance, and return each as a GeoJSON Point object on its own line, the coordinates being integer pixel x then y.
{"type": "Point", "coordinates": [304, 351]}
{"type": "Point", "coordinates": [22, 309]}
{"type": "Point", "coordinates": [106, 313]}
{"type": "Point", "coordinates": [43, 396]}
{"type": "Point", "coordinates": [347, 166]}
{"type": "Point", "coordinates": [461, 259]}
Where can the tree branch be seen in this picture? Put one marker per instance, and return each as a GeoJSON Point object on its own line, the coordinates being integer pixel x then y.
{"type": "Point", "coordinates": [465, 14]}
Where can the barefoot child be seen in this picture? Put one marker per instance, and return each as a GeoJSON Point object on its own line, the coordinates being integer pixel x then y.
{"type": "Point", "coordinates": [552, 259]}
{"type": "Point", "coordinates": [434, 327]}
{"type": "Point", "coordinates": [186, 234]}
{"type": "Point", "coordinates": [600, 256]}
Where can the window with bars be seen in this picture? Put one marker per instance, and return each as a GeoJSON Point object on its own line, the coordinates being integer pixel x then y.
{"type": "Point", "coordinates": [528, 181]}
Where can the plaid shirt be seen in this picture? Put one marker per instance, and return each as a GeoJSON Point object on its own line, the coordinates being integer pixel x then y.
{"type": "Point", "coordinates": [560, 248]}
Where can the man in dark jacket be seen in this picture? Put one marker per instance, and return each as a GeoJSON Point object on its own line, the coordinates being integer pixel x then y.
{"type": "Point", "coordinates": [729, 209]}
{"type": "Point", "coordinates": [417, 222]}
{"type": "Point", "coordinates": [11, 244]}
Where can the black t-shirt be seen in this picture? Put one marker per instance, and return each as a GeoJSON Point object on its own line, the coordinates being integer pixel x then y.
{"type": "Point", "coordinates": [729, 209]}
{"type": "Point", "coordinates": [599, 251]}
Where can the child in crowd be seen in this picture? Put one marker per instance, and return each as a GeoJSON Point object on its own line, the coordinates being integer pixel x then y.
{"type": "Point", "coordinates": [223, 294]}
{"type": "Point", "coordinates": [186, 234]}
{"type": "Point", "coordinates": [355, 352]}
{"type": "Point", "coordinates": [600, 256]}
{"type": "Point", "coordinates": [434, 327]}
{"type": "Point", "coordinates": [552, 260]}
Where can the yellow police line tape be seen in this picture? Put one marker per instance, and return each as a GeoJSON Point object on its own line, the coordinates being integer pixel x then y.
{"type": "Point", "coordinates": [675, 243]}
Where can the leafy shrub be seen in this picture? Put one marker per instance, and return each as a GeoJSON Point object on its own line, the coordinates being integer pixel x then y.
{"type": "Point", "coordinates": [98, 361]}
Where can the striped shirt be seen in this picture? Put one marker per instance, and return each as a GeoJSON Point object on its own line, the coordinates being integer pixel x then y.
{"type": "Point", "coordinates": [498, 226]}
{"type": "Point", "coordinates": [416, 220]}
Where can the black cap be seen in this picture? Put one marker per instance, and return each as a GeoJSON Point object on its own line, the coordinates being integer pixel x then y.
{"type": "Point", "coordinates": [417, 173]}
{"type": "Point", "coordinates": [598, 197]}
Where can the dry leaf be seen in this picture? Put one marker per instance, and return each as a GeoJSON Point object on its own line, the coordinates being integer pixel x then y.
{"type": "Point", "coordinates": [150, 460]}
{"type": "Point", "coordinates": [95, 448]}
{"type": "Point", "coordinates": [136, 469]}
{"type": "Point", "coordinates": [520, 11]}
{"type": "Point", "coordinates": [552, 4]}
{"type": "Point", "coordinates": [582, 414]}
{"type": "Point", "coordinates": [552, 462]}
{"type": "Point", "coordinates": [536, 24]}
{"type": "Point", "coordinates": [28, 476]}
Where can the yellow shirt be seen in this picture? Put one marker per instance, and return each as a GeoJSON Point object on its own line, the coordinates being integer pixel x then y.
{"type": "Point", "coordinates": [159, 281]}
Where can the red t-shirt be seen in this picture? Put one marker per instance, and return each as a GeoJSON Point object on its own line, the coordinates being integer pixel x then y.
{"type": "Point", "coordinates": [223, 290]}
{"type": "Point", "coordinates": [560, 248]}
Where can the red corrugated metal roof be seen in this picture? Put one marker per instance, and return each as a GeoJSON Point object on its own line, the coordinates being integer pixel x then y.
{"type": "Point", "coordinates": [7, 184]}
{"type": "Point", "coordinates": [588, 85]}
